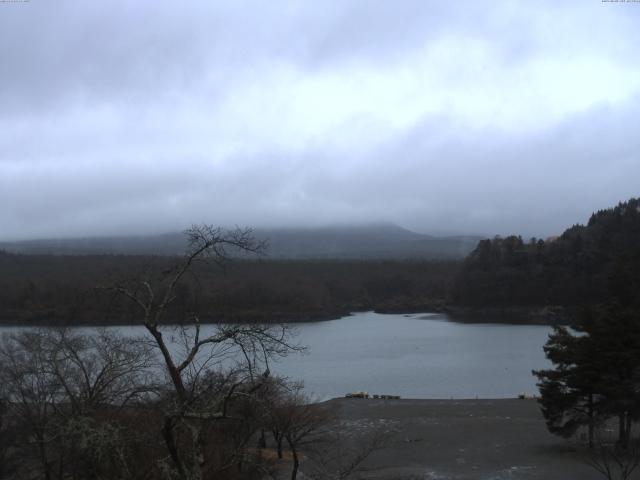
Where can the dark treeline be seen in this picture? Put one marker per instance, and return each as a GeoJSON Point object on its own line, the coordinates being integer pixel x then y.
{"type": "Point", "coordinates": [48, 289]}
{"type": "Point", "coordinates": [586, 265]}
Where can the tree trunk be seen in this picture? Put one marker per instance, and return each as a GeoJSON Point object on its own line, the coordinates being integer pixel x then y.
{"type": "Point", "coordinates": [296, 461]}
{"type": "Point", "coordinates": [591, 420]}
{"type": "Point", "coordinates": [199, 450]}
{"type": "Point", "coordinates": [169, 440]}
{"type": "Point", "coordinates": [620, 429]}
{"type": "Point", "coordinates": [623, 433]}
{"type": "Point", "coordinates": [43, 458]}
{"type": "Point", "coordinates": [277, 436]}
{"type": "Point", "coordinates": [173, 371]}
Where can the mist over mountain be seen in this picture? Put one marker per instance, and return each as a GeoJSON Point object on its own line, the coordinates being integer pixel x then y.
{"type": "Point", "coordinates": [370, 241]}
{"type": "Point", "coordinates": [373, 241]}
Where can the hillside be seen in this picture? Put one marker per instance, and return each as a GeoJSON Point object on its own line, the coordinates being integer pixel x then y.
{"type": "Point", "coordinates": [382, 241]}
{"type": "Point", "coordinates": [368, 242]}
{"type": "Point", "coordinates": [588, 264]}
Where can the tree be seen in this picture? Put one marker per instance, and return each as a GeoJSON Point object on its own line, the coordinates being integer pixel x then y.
{"type": "Point", "coordinates": [8, 432]}
{"type": "Point", "coordinates": [615, 331]}
{"type": "Point", "coordinates": [340, 455]}
{"type": "Point", "coordinates": [294, 418]}
{"type": "Point", "coordinates": [210, 370]}
{"type": "Point", "coordinates": [32, 392]}
{"type": "Point", "coordinates": [596, 373]}
{"type": "Point", "coordinates": [611, 460]}
{"type": "Point", "coordinates": [568, 391]}
{"type": "Point", "coordinates": [61, 387]}
{"type": "Point", "coordinates": [182, 402]}
{"type": "Point", "coordinates": [310, 430]}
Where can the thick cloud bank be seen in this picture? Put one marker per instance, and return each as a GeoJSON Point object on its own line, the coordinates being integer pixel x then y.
{"type": "Point", "coordinates": [445, 117]}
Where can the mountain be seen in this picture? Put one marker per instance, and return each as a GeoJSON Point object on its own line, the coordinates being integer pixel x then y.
{"type": "Point", "coordinates": [379, 241]}
{"type": "Point", "coordinates": [164, 244]}
{"type": "Point", "coordinates": [371, 241]}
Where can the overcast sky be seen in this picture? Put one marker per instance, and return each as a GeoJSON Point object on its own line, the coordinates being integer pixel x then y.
{"type": "Point", "coordinates": [444, 117]}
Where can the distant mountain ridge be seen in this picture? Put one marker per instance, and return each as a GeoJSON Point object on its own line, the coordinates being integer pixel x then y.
{"type": "Point", "coordinates": [380, 241]}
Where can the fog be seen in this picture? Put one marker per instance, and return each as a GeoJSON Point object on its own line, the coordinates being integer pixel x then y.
{"type": "Point", "coordinates": [443, 117]}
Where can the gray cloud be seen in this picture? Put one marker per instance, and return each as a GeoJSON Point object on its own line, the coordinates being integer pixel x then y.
{"type": "Point", "coordinates": [126, 117]}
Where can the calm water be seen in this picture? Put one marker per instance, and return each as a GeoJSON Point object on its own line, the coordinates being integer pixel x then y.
{"type": "Point", "coordinates": [415, 356]}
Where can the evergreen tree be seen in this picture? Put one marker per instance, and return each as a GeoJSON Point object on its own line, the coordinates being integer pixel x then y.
{"type": "Point", "coordinates": [596, 373]}
{"type": "Point", "coordinates": [580, 267]}
{"type": "Point", "coordinates": [568, 391]}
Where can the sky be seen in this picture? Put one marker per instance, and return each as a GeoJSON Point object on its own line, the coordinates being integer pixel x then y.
{"type": "Point", "coordinates": [464, 117]}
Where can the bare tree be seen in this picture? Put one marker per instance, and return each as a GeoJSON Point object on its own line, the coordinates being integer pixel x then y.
{"type": "Point", "coordinates": [8, 432]}
{"type": "Point", "coordinates": [340, 455]}
{"type": "Point", "coordinates": [98, 370]}
{"type": "Point", "coordinates": [611, 459]}
{"type": "Point", "coordinates": [310, 430]}
{"type": "Point", "coordinates": [31, 390]}
{"type": "Point", "coordinates": [208, 368]}
{"type": "Point", "coordinates": [94, 405]}
{"type": "Point", "coordinates": [291, 416]}
{"type": "Point", "coordinates": [275, 412]}
{"type": "Point", "coordinates": [59, 386]}
{"type": "Point", "coordinates": [306, 420]}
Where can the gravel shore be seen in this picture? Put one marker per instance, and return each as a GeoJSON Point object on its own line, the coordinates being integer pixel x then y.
{"type": "Point", "coordinates": [463, 440]}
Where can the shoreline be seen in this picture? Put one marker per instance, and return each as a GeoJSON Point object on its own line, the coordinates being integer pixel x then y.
{"type": "Point", "coordinates": [466, 439]}
{"type": "Point", "coordinates": [514, 315]}
{"type": "Point", "coordinates": [527, 397]}
{"type": "Point", "coordinates": [531, 315]}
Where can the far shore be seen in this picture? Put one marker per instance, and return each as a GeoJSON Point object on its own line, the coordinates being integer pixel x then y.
{"type": "Point", "coordinates": [514, 315]}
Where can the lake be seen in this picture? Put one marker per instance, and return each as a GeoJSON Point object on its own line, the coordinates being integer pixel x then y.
{"type": "Point", "coordinates": [415, 356]}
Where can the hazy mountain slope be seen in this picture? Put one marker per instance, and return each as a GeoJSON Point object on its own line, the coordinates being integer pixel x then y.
{"type": "Point", "coordinates": [366, 242]}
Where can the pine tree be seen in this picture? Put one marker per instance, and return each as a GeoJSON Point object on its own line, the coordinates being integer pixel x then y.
{"type": "Point", "coordinates": [596, 373]}
{"type": "Point", "coordinates": [568, 392]}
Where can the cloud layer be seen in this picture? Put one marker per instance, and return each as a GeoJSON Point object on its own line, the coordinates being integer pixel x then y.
{"type": "Point", "coordinates": [134, 117]}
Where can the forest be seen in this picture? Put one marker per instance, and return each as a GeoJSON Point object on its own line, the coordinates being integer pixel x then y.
{"type": "Point", "coordinates": [586, 265]}
{"type": "Point", "coordinates": [49, 289]}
